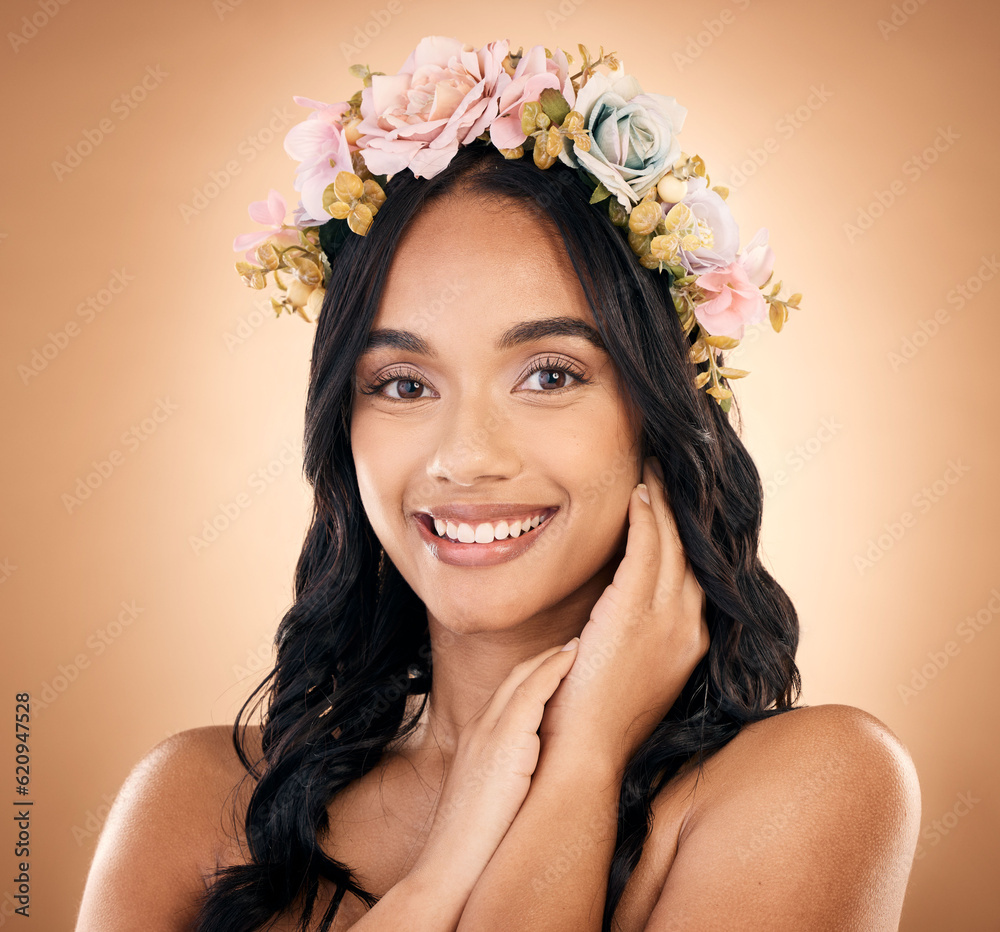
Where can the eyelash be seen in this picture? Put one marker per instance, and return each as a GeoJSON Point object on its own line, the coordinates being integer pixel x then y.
{"type": "Point", "coordinates": [546, 365]}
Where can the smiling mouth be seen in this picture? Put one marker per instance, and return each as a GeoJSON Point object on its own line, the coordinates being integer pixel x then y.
{"type": "Point", "coordinates": [486, 532]}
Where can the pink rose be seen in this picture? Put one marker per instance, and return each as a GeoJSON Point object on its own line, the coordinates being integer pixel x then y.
{"type": "Point", "coordinates": [734, 295]}
{"type": "Point", "coordinates": [445, 95]}
{"type": "Point", "coordinates": [322, 149]}
{"type": "Point", "coordinates": [534, 73]}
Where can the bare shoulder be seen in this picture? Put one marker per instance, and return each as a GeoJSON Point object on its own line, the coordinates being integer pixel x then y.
{"type": "Point", "coordinates": [166, 826]}
{"type": "Point", "coordinates": [807, 819]}
{"type": "Point", "coordinates": [826, 739]}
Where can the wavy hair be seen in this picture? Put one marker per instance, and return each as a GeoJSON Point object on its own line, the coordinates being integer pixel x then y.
{"type": "Point", "coordinates": [354, 645]}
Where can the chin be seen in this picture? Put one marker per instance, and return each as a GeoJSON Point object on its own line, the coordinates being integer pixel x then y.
{"type": "Point", "coordinates": [478, 615]}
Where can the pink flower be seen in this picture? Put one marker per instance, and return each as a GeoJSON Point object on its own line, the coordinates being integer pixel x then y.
{"type": "Point", "coordinates": [445, 95]}
{"type": "Point", "coordinates": [322, 149]}
{"type": "Point", "coordinates": [534, 73]}
{"type": "Point", "coordinates": [734, 295]}
{"type": "Point", "coordinates": [272, 212]}
{"type": "Point", "coordinates": [709, 206]}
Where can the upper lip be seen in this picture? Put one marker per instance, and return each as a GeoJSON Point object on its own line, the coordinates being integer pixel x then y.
{"type": "Point", "coordinates": [487, 512]}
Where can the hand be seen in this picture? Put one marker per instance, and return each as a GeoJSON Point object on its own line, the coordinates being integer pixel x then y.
{"type": "Point", "coordinates": [645, 636]}
{"type": "Point", "coordinates": [488, 780]}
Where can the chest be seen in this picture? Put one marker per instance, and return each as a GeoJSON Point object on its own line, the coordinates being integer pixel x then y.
{"type": "Point", "coordinates": [380, 836]}
{"type": "Point", "coordinates": [380, 824]}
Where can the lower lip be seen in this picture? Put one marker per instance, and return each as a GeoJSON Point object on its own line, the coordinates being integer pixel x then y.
{"type": "Point", "coordinates": [500, 551]}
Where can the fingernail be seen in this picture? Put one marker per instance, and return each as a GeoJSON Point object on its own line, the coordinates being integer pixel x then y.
{"type": "Point", "coordinates": [570, 645]}
{"type": "Point", "coordinates": [643, 492]}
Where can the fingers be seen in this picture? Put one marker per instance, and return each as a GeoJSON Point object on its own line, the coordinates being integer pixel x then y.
{"type": "Point", "coordinates": [676, 577]}
{"type": "Point", "coordinates": [553, 658]}
{"type": "Point", "coordinates": [635, 577]}
{"type": "Point", "coordinates": [522, 714]}
{"type": "Point", "coordinates": [674, 559]}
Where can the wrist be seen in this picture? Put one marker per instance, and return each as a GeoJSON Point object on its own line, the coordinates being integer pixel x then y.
{"type": "Point", "coordinates": [429, 899]}
{"type": "Point", "coordinates": [444, 870]}
{"type": "Point", "coordinates": [580, 761]}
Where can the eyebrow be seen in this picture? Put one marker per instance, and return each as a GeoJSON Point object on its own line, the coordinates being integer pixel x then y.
{"type": "Point", "coordinates": [527, 331]}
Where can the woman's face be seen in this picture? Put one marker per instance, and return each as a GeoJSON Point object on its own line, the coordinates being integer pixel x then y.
{"type": "Point", "coordinates": [462, 430]}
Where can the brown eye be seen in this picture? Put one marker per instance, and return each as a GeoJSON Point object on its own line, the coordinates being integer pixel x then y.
{"type": "Point", "coordinates": [409, 386]}
{"type": "Point", "coordinates": [406, 389]}
{"type": "Point", "coordinates": [555, 375]}
{"type": "Point", "coordinates": [553, 378]}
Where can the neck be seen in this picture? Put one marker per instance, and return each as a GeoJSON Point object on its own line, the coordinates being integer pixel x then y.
{"type": "Point", "coordinates": [468, 667]}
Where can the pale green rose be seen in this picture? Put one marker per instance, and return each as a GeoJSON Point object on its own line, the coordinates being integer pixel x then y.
{"type": "Point", "coordinates": [633, 135]}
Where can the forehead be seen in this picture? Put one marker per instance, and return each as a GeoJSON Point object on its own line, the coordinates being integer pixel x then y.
{"type": "Point", "coordinates": [491, 261]}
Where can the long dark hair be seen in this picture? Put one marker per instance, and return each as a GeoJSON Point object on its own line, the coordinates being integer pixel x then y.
{"type": "Point", "coordinates": [354, 645]}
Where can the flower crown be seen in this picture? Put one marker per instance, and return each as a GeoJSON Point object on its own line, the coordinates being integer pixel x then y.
{"type": "Point", "coordinates": [621, 140]}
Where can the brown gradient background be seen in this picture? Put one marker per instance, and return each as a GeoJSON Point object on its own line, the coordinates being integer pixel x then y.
{"type": "Point", "coordinates": [202, 637]}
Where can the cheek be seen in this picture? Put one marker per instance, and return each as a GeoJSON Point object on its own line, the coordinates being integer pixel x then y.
{"type": "Point", "coordinates": [379, 477]}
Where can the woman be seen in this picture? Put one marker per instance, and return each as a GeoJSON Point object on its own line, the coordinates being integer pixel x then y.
{"type": "Point", "coordinates": [535, 675]}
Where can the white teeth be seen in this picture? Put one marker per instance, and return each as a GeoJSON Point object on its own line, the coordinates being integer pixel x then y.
{"type": "Point", "coordinates": [465, 533]}
{"type": "Point", "coordinates": [485, 532]}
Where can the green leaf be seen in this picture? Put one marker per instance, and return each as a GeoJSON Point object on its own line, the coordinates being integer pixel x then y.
{"type": "Point", "coordinates": [617, 213]}
{"type": "Point", "coordinates": [721, 342]}
{"type": "Point", "coordinates": [600, 193]}
{"type": "Point", "coordinates": [554, 105]}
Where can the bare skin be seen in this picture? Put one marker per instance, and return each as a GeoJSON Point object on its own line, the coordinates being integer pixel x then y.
{"type": "Point", "coordinates": [808, 820]}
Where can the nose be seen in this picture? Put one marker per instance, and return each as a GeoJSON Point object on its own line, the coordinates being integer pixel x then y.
{"type": "Point", "coordinates": [475, 441]}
